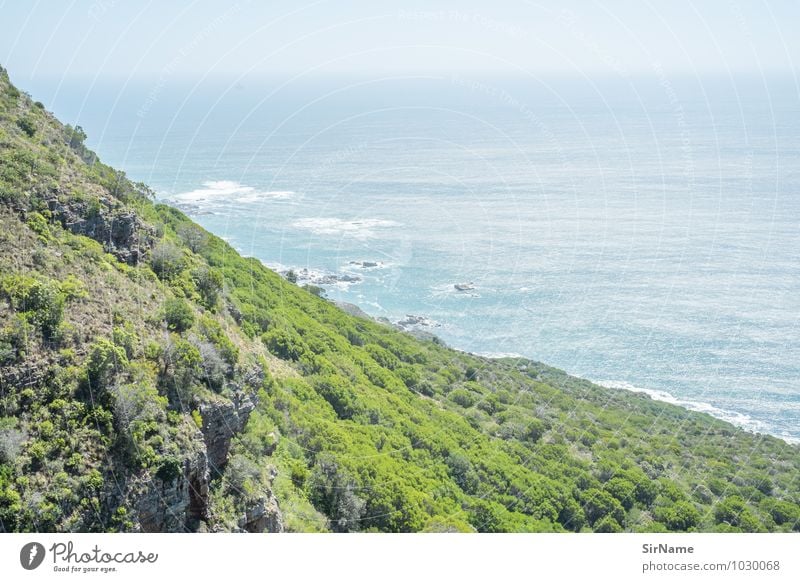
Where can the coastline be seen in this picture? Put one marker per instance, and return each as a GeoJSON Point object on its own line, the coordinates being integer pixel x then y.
{"type": "Point", "coordinates": [738, 419]}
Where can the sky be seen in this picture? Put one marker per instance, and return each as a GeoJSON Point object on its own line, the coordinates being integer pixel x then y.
{"type": "Point", "coordinates": [64, 39]}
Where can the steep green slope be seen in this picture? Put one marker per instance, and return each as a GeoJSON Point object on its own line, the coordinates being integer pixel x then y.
{"type": "Point", "coordinates": [151, 379]}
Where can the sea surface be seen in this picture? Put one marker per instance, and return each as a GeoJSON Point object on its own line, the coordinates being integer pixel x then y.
{"type": "Point", "coordinates": [642, 233]}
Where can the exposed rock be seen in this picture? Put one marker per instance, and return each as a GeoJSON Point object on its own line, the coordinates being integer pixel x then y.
{"type": "Point", "coordinates": [366, 264]}
{"type": "Point", "coordinates": [417, 320]}
{"type": "Point", "coordinates": [121, 232]}
{"type": "Point", "coordinates": [262, 515]}
{"type": "Point", "coordinates": [311, 277]}
{"type": "Point", "coordinates": [27, 373]}
{"type": "Point", "coordinates": [175, 505]}
{"type": "Point", "coordinates": [221, 420]}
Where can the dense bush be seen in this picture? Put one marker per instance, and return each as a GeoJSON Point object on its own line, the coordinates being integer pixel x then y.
{"type": "Point", "coordinates": [682, 516]}
{"type": "Point", "coordinates": [209, 285]}
{"type": "Point", "coordinates": [599, 504]}
{"type": "Point", "coordinates": [734, 511]}
{"type": "Point", "coordinates": [178, 314]}
{"type": "Point", "coordinates": [166, 260]}
{"type": "Point", "coordinates": [334, 491]}
{"type": "Point", "coordinates": [105, 362]}
{"type": "Point", "coordinates": [284, 343]}
{"type": "Point", "coordinates": [27, 125]}
{"type": "Point", "coordinates": [41, 302]}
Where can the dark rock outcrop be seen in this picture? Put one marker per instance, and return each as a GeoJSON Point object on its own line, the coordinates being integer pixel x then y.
{"type": "Point", "coordinates": [178, 504]}
{"type": "Point", "coordinates": [121, 232]}
{"type": "Point", "coordinates": [221, 421]}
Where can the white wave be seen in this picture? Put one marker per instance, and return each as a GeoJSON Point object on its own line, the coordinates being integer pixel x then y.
{"type": "Point", "coordinates": [495, 355]}
{"type": "Point", "coordinates": [736, 418]}
{"type": "Point", "coordinates": [358, 229]}
{"type": "Point", "coordinates": [230, 191]}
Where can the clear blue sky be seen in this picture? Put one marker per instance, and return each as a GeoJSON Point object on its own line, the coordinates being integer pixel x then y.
{"type": "Point", "coordinates": [105, 38]}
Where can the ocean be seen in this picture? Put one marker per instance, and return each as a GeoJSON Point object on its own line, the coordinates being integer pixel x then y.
{"type": "Point", "coordinates": [642, 233]}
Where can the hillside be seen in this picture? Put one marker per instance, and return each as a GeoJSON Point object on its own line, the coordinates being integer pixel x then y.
{"type": "Point", "coordinates": [152, 379]}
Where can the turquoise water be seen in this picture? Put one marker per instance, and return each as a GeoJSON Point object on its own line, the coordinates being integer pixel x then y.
{"type": "Point", "coordinates": [641, 234]}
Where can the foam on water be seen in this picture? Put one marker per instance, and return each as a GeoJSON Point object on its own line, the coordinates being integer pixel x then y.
{"type": "Point", "coordinates": [359, 229]}
{"type": "Point", "coordinates": [736, 418]}
{"type": "Point", "coordinates": [229, 191]}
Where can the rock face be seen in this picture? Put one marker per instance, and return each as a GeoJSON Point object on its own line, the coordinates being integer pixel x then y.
{"type": "Point", "coordinates": [26, 374]}
{"type": "Point", "coordinates": [182, 502]}
{"type": "Point", "coordinates": [222, 420]}
{"type": "Point", "coordinates": [263, 515]}
{"type": "Point", "coordinates": [178, 504]}
{"type": "Point", "coordinates": [121, 232]}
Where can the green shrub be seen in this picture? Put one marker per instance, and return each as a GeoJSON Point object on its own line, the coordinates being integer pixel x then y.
{"type": "Point", "coordinates": [104, 363]}
{"type": "Point", "coordinates": [734, 511]}
{"type": "Point", "coordinates": [462, 472]}
{"type": "Point", "coordinates": [181, 369]}
{"type": "Point", "coordinates": [169, 469]}
{"type": "Point", "coordinates": [463, 398]}
{"type": "Point", "coordinates": [783, 512]}
{"type": "Point", "coordinates": [382, 356]}
{"type": "Point", "coordinates": [623, 491]}
{"type": "Point", "coordinates": [178, 314]}
{"type": "Point", "coordinates": [284, 343]}
{"type": "Point", "coordinates": [682, 516]}
{"type": "Point", "coordinates": [38, 224]}
{"type": "Point", "coordinates": [125, 337]}
{"type": "Point", "coordinates": [27, 125]}
{"type": "Point", "coordinates": [209, 284]}
{"type": "Point", "coordinates": [598, 504]}
{"type": "Point", "coordinates": [166, 260]}
{"type": "Point", "coordinates": [607, 524]}
{"type": "Point", "coordinates": [334, 492]}
{"type": "Point", "coordinates": [41, 302]}
{"type": "Point", "coordinates": [338, 393]}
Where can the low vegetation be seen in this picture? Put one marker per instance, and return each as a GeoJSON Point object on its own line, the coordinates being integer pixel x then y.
{"type": "Point", "coordinates": [108, 357]}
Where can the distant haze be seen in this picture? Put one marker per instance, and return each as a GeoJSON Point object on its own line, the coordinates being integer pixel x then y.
{"type": "Point", "coordinates": [108, 38]}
